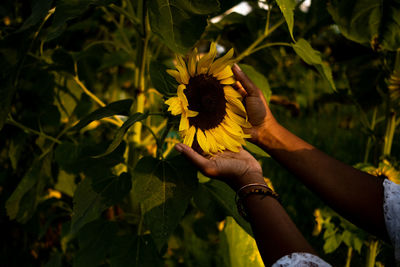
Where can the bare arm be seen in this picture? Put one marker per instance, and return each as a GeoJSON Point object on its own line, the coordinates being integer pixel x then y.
{"type": "Point", "coordinates": [356, 195]}
{"type": "Point", "coordinates": [275, 233]}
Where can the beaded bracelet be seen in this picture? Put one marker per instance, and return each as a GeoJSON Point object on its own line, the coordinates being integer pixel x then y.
{"type": "Point", "coordinates": [246, 190]}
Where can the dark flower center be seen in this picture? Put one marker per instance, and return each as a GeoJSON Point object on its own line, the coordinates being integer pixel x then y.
{"type": "Point", "coordinates": [206, 95]}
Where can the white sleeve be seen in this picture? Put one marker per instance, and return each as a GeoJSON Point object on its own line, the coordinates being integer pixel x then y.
{"type": "Point", "coordinates": [301, 259]}
{"type": "Point", "coordinates": [391, 208]}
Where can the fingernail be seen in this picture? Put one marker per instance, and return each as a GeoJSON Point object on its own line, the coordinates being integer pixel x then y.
{"type": "Point", "coordinates": [179, 147]}
{"type": "Point", "coordinates": [237, 66]}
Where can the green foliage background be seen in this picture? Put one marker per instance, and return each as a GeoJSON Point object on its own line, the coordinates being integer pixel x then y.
{"type": "Point", "coordinates": [88, 174]}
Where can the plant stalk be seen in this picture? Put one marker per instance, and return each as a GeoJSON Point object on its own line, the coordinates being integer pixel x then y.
{"type": "Point", "coordinates": [372, 253]}
{"type": "Point", "coordinates": [349, 255]}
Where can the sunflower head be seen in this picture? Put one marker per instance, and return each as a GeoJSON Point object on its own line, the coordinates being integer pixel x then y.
{"type": "Point", "coordinates": [211, 110]}
{"type": "Point", "coordinates": [386, 171]}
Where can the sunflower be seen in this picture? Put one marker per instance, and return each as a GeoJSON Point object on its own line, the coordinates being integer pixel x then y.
{"type": "Point", "coordinates": [211, 110]}
{"type": "Point", "coordinates": [385, 170]}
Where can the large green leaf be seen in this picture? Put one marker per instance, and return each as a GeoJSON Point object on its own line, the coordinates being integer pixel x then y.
{"type": "Point", "coordinates": [313, 57]}
{"type": "Point", "coordinates": [225, 197]}
{"type": "Point", "coordinates": [164, 189]}
{"type": "Point", "coordinates": [134, 251]}
{"type": "Point", "coordinates": [179, 23]}
{"type": "Point", "coordinates": [121, 132]}
{"type": "Point", "coordinates": [287, 7]}
{"type": "Point", "coordinates": [258, 79]}
{"type": "Point", "coordinates": [39, 10]}
{"type": "Point", "coordinates": [88, 205]}
{"type": "Point", "coordinates": [94, 243]}
{"type": "Point", "coordinates": [67, 10]}
{"type": "Point", "coordinates": [242, 247]}
{"type": "Point", "coordinates": [23, 202]}
{"type": "Point", "coordinates": [120, 107]}
{"type": "Point", "coordinates": [94, 195]}
{"type": "Point", "coordinates": [368, 22]}
{"type": "Point", "coordinates": [161, 80]}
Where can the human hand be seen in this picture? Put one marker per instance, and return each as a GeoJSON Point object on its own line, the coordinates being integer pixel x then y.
{"type": "Point", "coordinates": [258, 112]}
{"type": "Point", "coordinates": [236, 169]}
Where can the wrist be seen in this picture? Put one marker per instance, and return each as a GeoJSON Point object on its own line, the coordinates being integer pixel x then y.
{"type": "Point", "coordinates": [267, 134]}
{"type": "Point", "coordinates": [249, 178]}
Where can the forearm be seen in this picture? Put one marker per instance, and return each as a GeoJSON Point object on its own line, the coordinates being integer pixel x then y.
{"type": "Point", "coordinates": [356, 195]}
{"type": "Point", "coordinates": [274, 231]}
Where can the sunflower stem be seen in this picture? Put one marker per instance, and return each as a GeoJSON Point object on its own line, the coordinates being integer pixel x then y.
{"type": "Point", "coordinates": [142, 79]}
{"type": "Point", "coordinates": [252, 48]}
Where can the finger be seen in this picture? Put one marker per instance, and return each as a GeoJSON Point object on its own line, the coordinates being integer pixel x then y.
{"type": "Point", "coordinates": [201, 162]}
{"type": "Point", "coordinates": [247, 84]}
{"type": "Point", "coordinates": [238, 86]}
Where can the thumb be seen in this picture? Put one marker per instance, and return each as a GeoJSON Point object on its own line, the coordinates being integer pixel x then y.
{"type": "Point", "coordinates": [249, 86]}
{"type": "Point", "coordinates": [201, 162]}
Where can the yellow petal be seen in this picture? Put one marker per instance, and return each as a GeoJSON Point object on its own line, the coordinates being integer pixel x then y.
{"type": "Point", "coordinates": [237, 110]}
{"type": "Point", "coordinates": [205, 62]}
{"type": "Point", "coordinates": [231, 126]}
{"type": "Point", "coordinates": [189, 137]}
{"type": "Point", "coordinates": [236, 140]}
{"type": "Point", "coordinates": [183, 73]}
{"type": "Point", "coordinates": [175, 74]}
{"type": "Point", "coordinates": [180, 61]}
{"type": "Point", "coordinates": [230, 91]}
{"type": "Point", "coordinates": [223, 74]}
{"type": "Point", "coordinates": [202, 140]}
{"type": "Point", "coordinates": [238, 119]}
{"type": "Point", "coordinates": [182, 95]}
{"type": "Point", "coordinates": [175, 106]}
{"type": "Point", "coordinates": [211, 141]}
{"type": "Point", "coordinates": [232, 143]}
{"type": "Point", "coordinates": [219, 141]}
{"type": "Point", "coordinates": [229, 80]}
{"type": "Point", "coordinates": [184, 123]}
{"type": "Point", "coordinates": [235, 102]}
{"type": "Point", "coordinates": [220, 63]}
{"type": "Point", "coordinates": [191, 113]}
{"type": "Point", "coordinates": [192, 62]}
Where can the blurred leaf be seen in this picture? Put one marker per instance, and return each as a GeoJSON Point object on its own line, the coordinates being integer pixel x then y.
{"type": "Point", "coordinates": [6, 95]}
{"type": "Point", "coordinates": [256, 150]}
{"type": "Point", "coordinates": [332, 243]}
{"type": "Point", "coordinates": [161, 80]}
{"type": "Point", "coordinates": [199, 7]}
{"type": "Point", "coordinates": [62, 61]}
{"type": "Point", "coordinates": [113, 188]}
{"type": "Point", "coordinates": [177, 22]}
{"type": "Point", "coordinates": [116, 58]}
{"type": "Point", "coordinates": [369, 22]}
{"type": "Point", "coordinates": [88, 205]}
{"type": "Point", "coordinates": [287, 7]}
{"type": "Point", "coordinates": [121, 132]}
{"type": "Point", "coordinates": [259, 80]}
{"type": "Point", "coordinates": [66, 183]}
{"type": "Point", "coordinates": [94, 242]}
{"type": "Point", "coordinates": [76, 158]}
{"type": "Point", "coordinates": [243, 249]}
{"type": "Point", "coordinates": [55, 260]}
{"type": "Point", "coordinates": [40, 9]}
{"type": "Point", "coordinates": [134, 251]}
{"type": "Point", "coordinates": [120, 107]}
{"type": "Point", "coordinates": [313, 57]}
{"type": "Point", "coordinates": [67, 10]}
{"type": "Point", "coordinates": [164, 189]}
{"type": "Point", "coordinates": [23, 202]}
{"type": "Point", "coordinates": [225, 197]}
{"type": "Point", "coordinates": [351, 240]}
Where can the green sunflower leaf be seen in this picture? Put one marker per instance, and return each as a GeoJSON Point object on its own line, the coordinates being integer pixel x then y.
{"type": "Point", "coordinates": [161, 80]}
{"type": "Point", "coordinates": [369, 22]}
{"type": "Point", "coordinates": [313, 57]}
{"type": "Point", "coordinates": [287, 7]}
{"type": "Point", "coordinates": [118, 107]}
{"type": "Point", "coordinates": [258, 79]}
{"type": "Point", "coordinates": [180, 23]}
{"type": "Point", "coordinates": [163, 189]}
{"type": "Point", "coordinates": [121, 132]}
